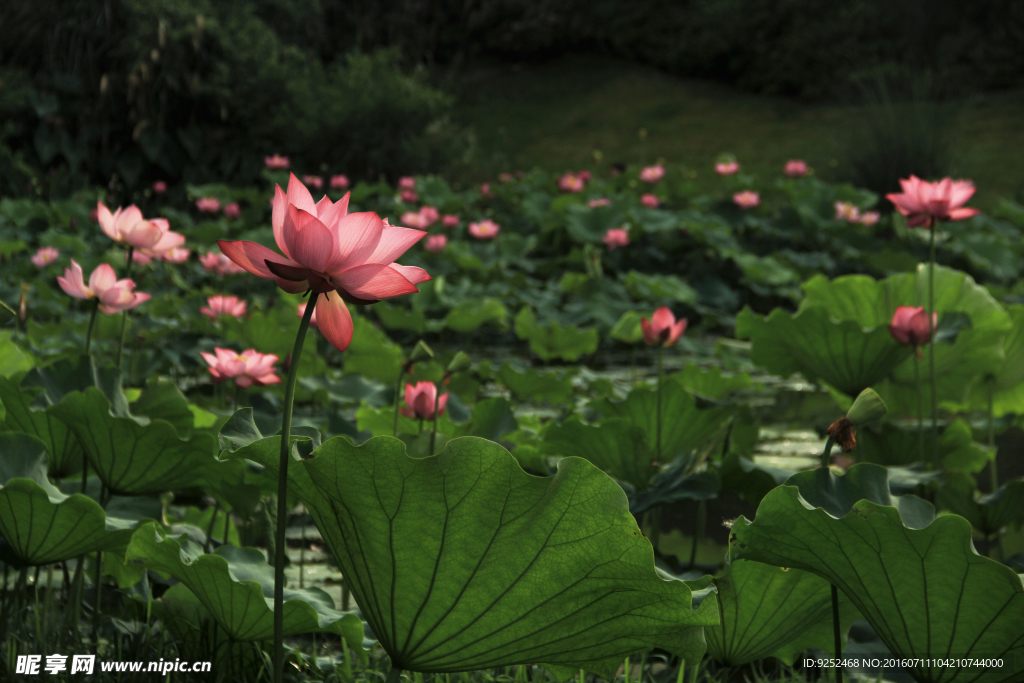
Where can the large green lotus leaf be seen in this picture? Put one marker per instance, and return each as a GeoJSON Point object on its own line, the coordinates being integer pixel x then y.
{"type": "Point", "coordinates": [371, 352]}
{"type": "Point", "coordinates": [12, 359]}
{"type": "Point", "coordinates": [977, 351]}
{"type": "Point", "coordinates": [554, 340]}
{"type": "Point", "coordinates": [65, 452]}
{"type": "Point", "coordinates": [710, 382]}
{"type": "Point", "coordinates": [771, 611]}
{"type": "Point", "coordinates": [675, 483]}
{"type": "Point", "coordinates": [842, 353]}
{"type": "Point", "coordinates": [399, 318]}
{"type": "Point", "coordinates": [926, 592]}
{"type": "Point", "coordinates": [615, 446]}
{"type": "Point", "coordinates": [469, 315]}
{"type": "Point", "coordinates": [684, 425]}
{"type": "Point", "coordinates": [988, 514]}
{"type": "Point", "coordinates": [40, 524]}
{"type": "Point", "coordinates": [1006, 382]}
{"type": "Point", "coordinates": [534, 385]}
{"type": "Point", "coordinates": [236, 586]}
{"type": "Point", "coordinates": [492, 419]}
{"type": "Point", "coordinates": [749, 479]}
{"type": "Point", "coordinates": [163, 400]}
{"type": "Point", "coordinates": [134, 455]}
{"type": "Point", "coordinates": [892, 445]}
{"type": "Point", "coordinates": [462, 561]}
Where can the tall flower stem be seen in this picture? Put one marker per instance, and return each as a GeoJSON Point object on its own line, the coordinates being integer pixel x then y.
{"type": "Point", "coordinates": [92, 323]}
{"type": "Point", "coordinates": [837, 634]}
{"type": "Point", "coordinates": [282, 490]}
{"type": "Point", "coordinates": [657, 417]}
{"type": "Point", "coordinates": [124, 316]}
{"type": "Point", "coordinates": [433, 435]}
{"type": "Point", "coordinates": [993, 472]}
{"type": "Point", "coordinates": [931, 335]}
{"type": "Point", "coordinates": [398, 391]}
{"type": "Point", "coordinates": [920, 408]}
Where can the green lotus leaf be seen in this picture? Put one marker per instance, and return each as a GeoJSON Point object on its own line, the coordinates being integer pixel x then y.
{"type": "Point", "coordinates": [891, 445]}
{"type": "Point", "coordinates": [41, 525]}
{"type": "Point", "coordinates": [492, 419]}
{"type": "Point", "coordinates": [658, 288]}
{"type": "Point", "coordinates": [844, 354]}
{"type": "Point", "coordinates": [977, 351]}
{"type": "Point", "coordinates": [534, 385]}
{"type": "Point", "coordinates": [684, 425]}
{"type": "Point", "coordinates": [12, 359]}
{"type": "Point", "coordinates": [371, 352]}
{"type": "Point", "coordinates": [749, 479]}
{"type": "Point", "coordinates": [236, 586]}
{"type": "Point", "coordinates": [675, 483]}
{"type": "Point", "coordinates": [926, 592]}
{"type": "Point", "coordinates": [163, 400]}
{"type": "Point", "coordinates": [710, 382]}
{"type": "Point", "coordinates": [1005, 382]}
{"type": "Point", "coordinates": [462, 561]}
{"type": "Point", "coordinates": [627, 328]}
{"type": "Point", "coordinates": [615, 446]}
{"type": "Point", "coordinates": [771, 611]}
{"type": "Point", "coordinates": [988, 514]}
{"type": "Point", "coordinates": [134, 455]}
{"type": "Point", "coordinates": [65, 452]}
{"type": "Point", "coordinates": [469, 315]}
{"type": "Point", "coordinates": [399, 318]}
{"type": "Point", "coordinates": [554, 340]}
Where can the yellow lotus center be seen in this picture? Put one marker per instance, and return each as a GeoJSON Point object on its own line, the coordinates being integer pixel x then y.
{"type": "Point", "coordinates": [242, 358]}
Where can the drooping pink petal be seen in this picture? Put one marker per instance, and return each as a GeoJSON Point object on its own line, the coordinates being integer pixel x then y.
{"type": "Point", "coordinates": [334, 320]}
{"type": "Point", "coordinates": [963, 213]}
{"type": "Point", "coordinates": [291, 273]}
{"type": "Point", "coordinates": [252, 257]}
{"type": "Point", "coordinates": [292, 287]}
{"type": "Point", "coordinates": [374, 281]}
{"type": "Point", "coordinates": [412, 273]}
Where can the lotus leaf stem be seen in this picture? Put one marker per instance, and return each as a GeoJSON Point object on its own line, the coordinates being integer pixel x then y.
{"type": "Point", "coordinates": [92, 323]}
{"type": "Point", "coordinates": [931, 335]}
{"type": "Point", "coordinates": [837, 634]}
{"type": "Point", "coordinates": [124, 316]}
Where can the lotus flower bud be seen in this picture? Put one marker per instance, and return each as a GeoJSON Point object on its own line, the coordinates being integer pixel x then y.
{"type": "Point", "coordinates": [460, 362]}
{"type": "Point", "coordinates": [420, 352]}
{"type": "Point", "coordinates": [868, 406]}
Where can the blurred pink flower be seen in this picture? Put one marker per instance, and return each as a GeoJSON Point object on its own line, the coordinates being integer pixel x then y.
{"type": "Point", "coordinates": [795, 168]}
{"type": "Point", "coordinates": [485, 190]}
{"type": "Point", "coordinates": [615, 238]}
{"type": "Point", "coordinates": [413, 219]}
{"type": "Point", "coordinates": [650, 200]}
{"type": "Point", "coordinates": [339, 181]}
{"type": "Point", "coordinates": [662, 329]}
{"type": "Point", "coordinates": [870, 217]}
{"type": "Point", "coordinates": [44, 257]}
{"type": "Point", "coordinates": [450, 220]}
{"type": "Point", "coordinates": [276, 162]}
{"type": "Point", "coordinates": [484, 230]}
{"type": "Point", "coordinates": [219, 305]}
{"type": "Point", "coordinates": [159, 187]}
{"type": "Point", "coordinates": [407, 183]}
{"type": "Point", "coordinates": [408, 196]}
{"type": "Point", "coordinates": [313, 180]}
{"type": "Point", "coordinates": [727, 167]}
{"type": "Point", "coordinates": [420, 399]}
{"type": "Point", "coordinates": [909, 326]}
{"type": "Point", "coordinates": [247, 368]}
{"type": "Point", "coordinates": [746, 199]}
{"type": "Point", "coordinates": [583, 175]}
{"type": "Point", "coordinates": [176, 255]}
{"type": "Point", "coordinates": [114, 295]}
{"type": "Point", "coordinates": [127, 226]}
{"type": "Point", "coordinates": [141, 258]}
{"type": "Point", "coordinates": [219, 264]}
{"type": "Point", "coordinates": [923, 203]}
{"type": "Point", "coordinates": [430, 214]}
{"type": "Point", "coordinates": [571, 183]}
{"type": "Point", "coordinates": [208, 204]}
{"type": "Point", "coordinates": [330, 251]}
{"type": "Point", "coordinates": [436, 243]}
{"type": "Point", "coordinates": [603, 201]}
{"type": "Point", "coordinates": [301, 311]}
{"type": "Point", "coordinates": [505, 177]}
{"type": "Point", "coordinates": [847, 211]}
{"type": "Point", "coordinates": [652, 174]}
{"type": "Point", "coordinates": [233, 211]}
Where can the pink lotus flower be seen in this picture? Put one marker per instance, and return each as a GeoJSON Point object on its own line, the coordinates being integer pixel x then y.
{"type": "Point", "coordinates": [345, 257]}
{"type": "Point", "coordinates": [485, 190]}
{"type": "Point", "coordinates": [141, 259]}
{"type": "Point", "coordinates": [276, 162]}
{"type": "Point", "coordinates": [233, 211]}
{"type": "Point", "coordinates": [176, 255]}
{"type": "Point", "coordinates": [313, 180]}
{"type": "Point", "coordinates": [615, 238]}
{"type": "Point", "coordinates": [870, 217]}
{"type": "Point", "coordinates": [301, 311]}
{"type": "Point", "coordinates": [219, 264]}
{"type": "Point", "coordinates": [910, 326]}
{"type": "Point", "coordinates": [662, 329]}
{"type": "Point", "coordinates": [219, 305]}
{"type": "Point", "coordinates": [727, 167]}
{"type": "Point", "coordinates": [583, 175]}
{"type": "Point", "coordinates": [652, 174]}
{"type": "Point", "coordinates": [420, 401]}
{"type": "Point", "coordinates": [407, 183]}
{"type": "Point", "coordinates": [114, 295]}
{"type": "Point", "coordinates": [484, 230]}
{"type": "Point", "coordinates": [746, 199]}
{"type": "Point", "coordinates": [505, 177]}
{"type": "Point", "coordinates": [650, 200]}
{"type": "Point", "coordinates": [436, 243]}
{"type": "Point", "coordinates": [795, 168]}
{"type": "Point", "coordinates": [846, 211]}
{"type": "Point", "coordinates": [603, 201]}
{"type": "Point", "coordinates": [450, 220]}
{"type": "Point", "coordinates": [414, 219]}
{"type": "Point", "coordinates": [159, 187]}
{"type": "Point", "coordinates": [246, 368]}
{"type": "Point", "coordinates": [923, 203]}
{"type": "Point", "coordinates": [208, 204]}
{"type": "Point", "coordinates": [127, 226]}
{"type": "Point", "coordinates": [571, 183]}
{"type": "Point", "coordinates": [44, 257]}
{"type": "Point", "coordinates": [430, 215]}
{"type": "Point", "coordinates": [408, 196]}
{"type": "Point", "coordinates": [339, 182]}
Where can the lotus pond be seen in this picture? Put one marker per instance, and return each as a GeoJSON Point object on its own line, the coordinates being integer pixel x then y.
{"type": "Point", "coordinates": [596, 426]}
